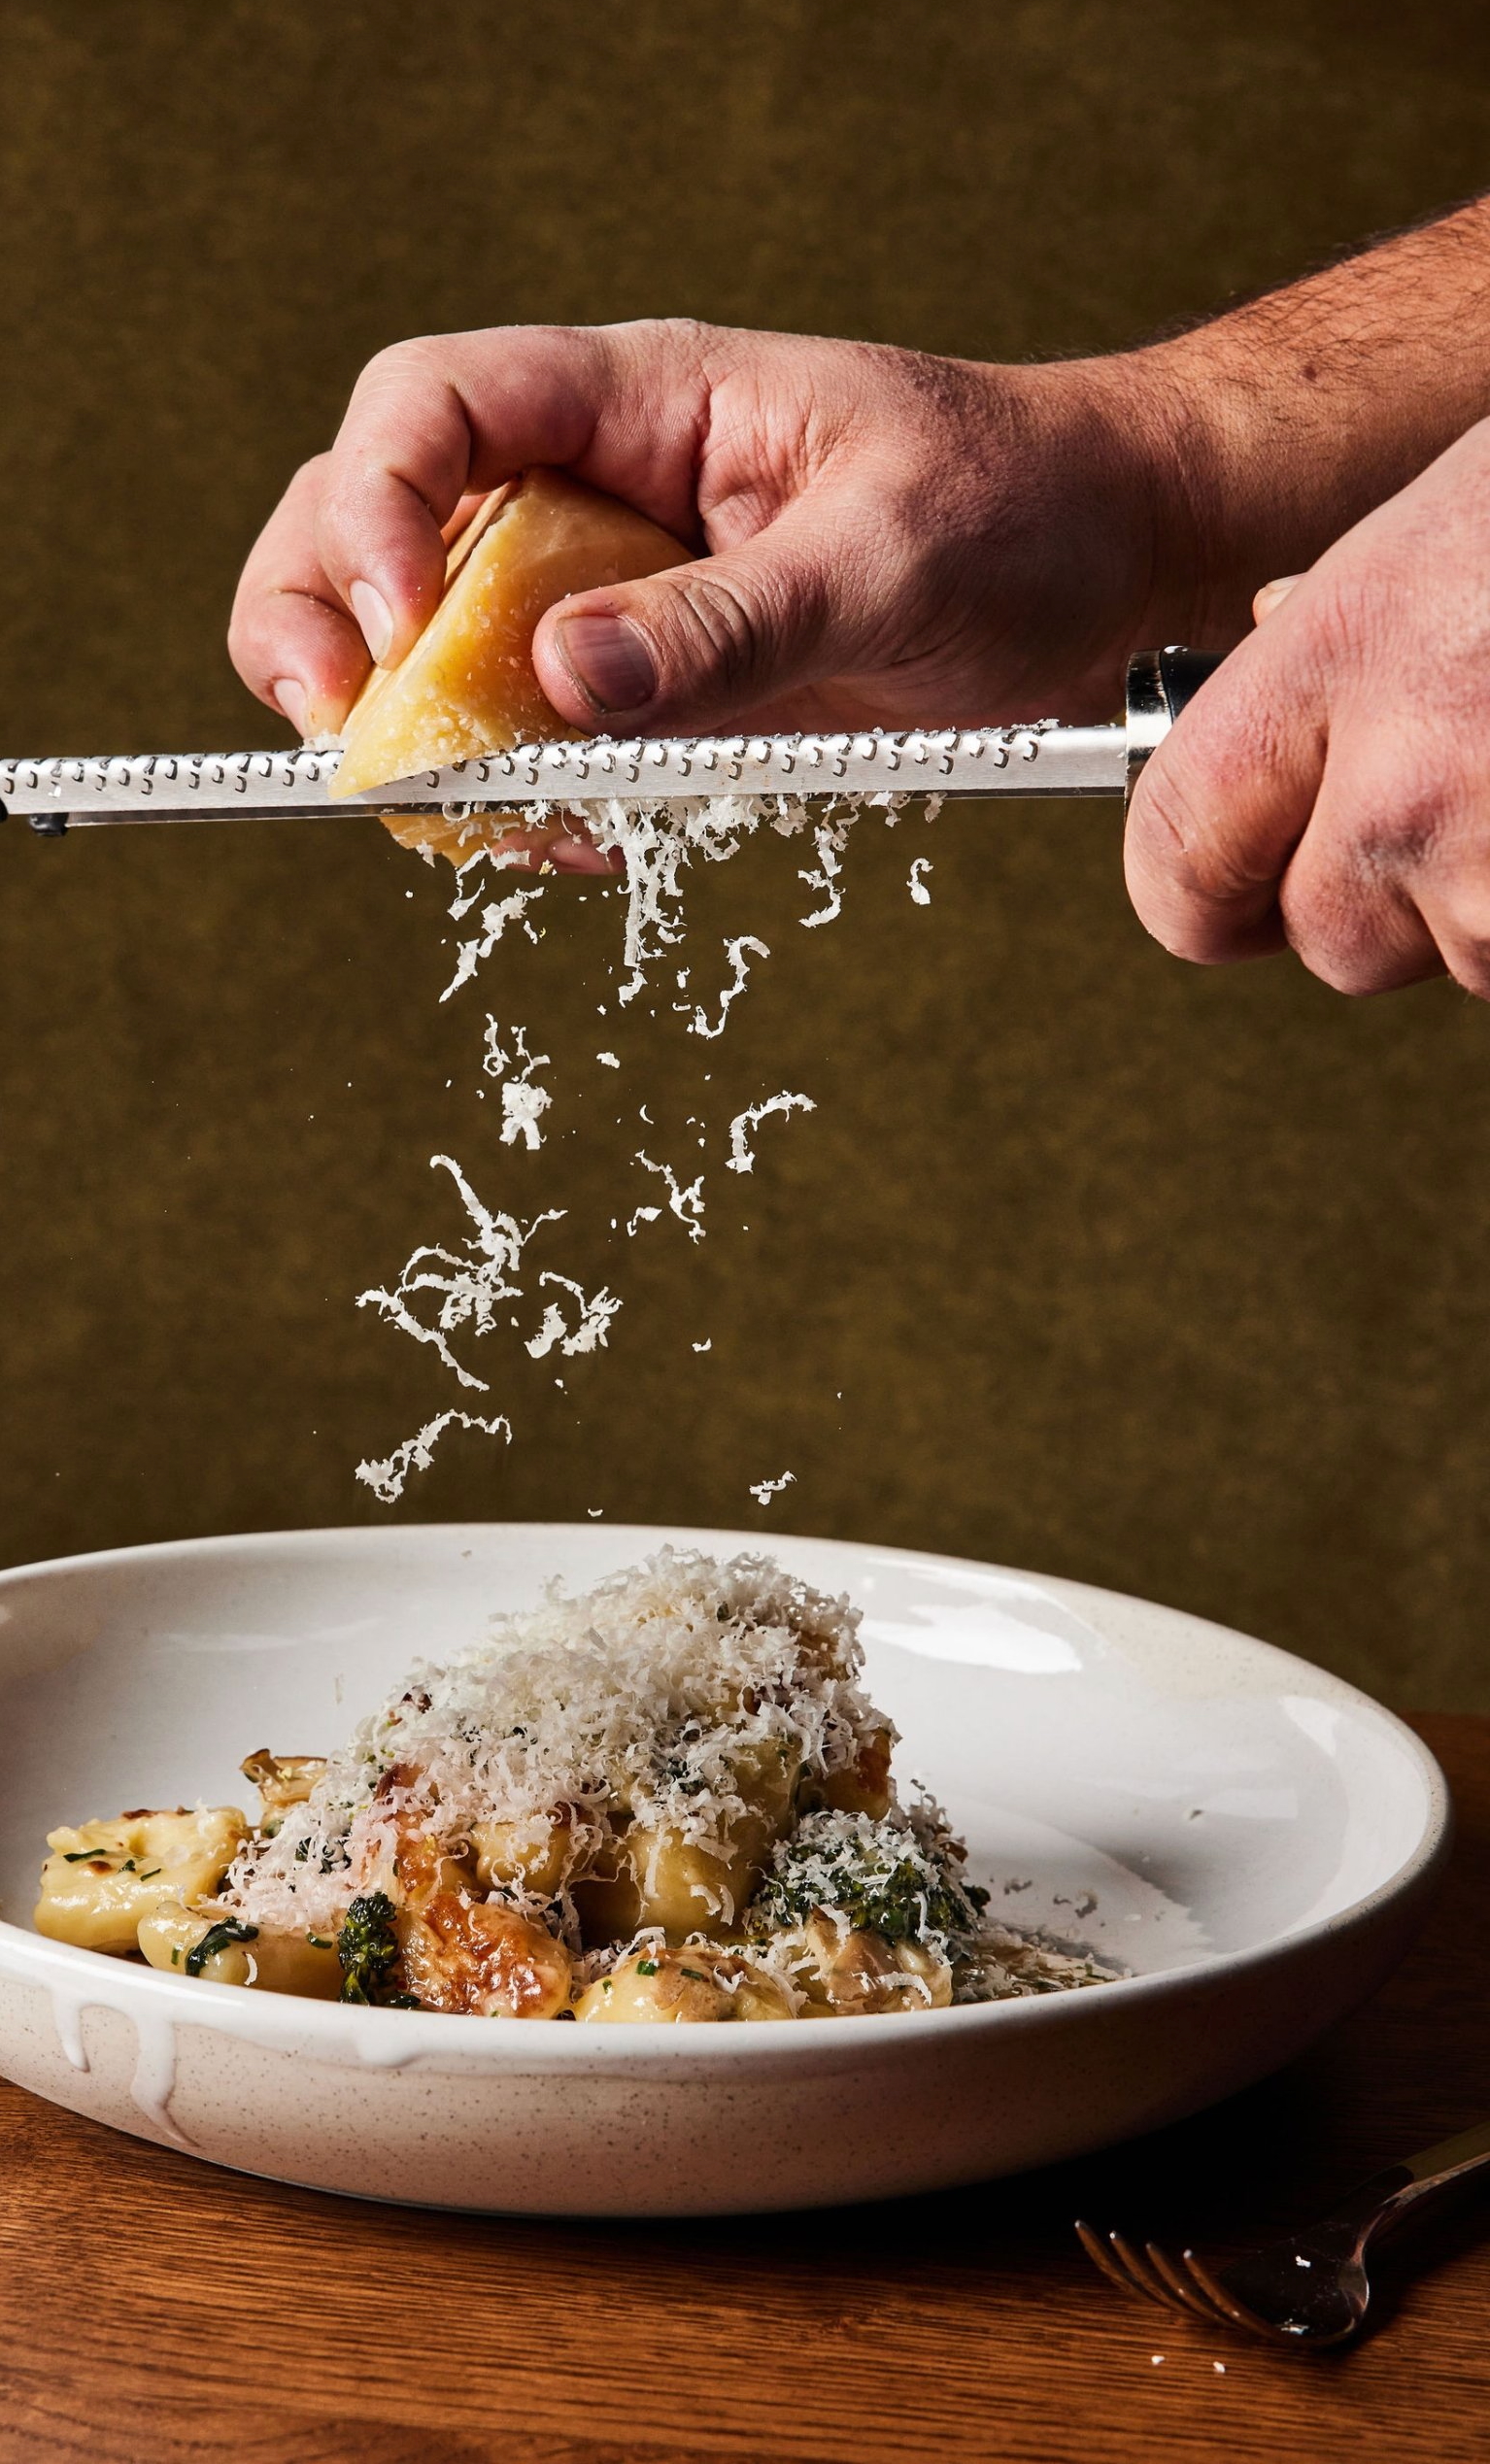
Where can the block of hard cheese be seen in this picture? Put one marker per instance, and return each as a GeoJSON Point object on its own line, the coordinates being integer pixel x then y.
{"type": "Point", "coordinates": [468, 686]}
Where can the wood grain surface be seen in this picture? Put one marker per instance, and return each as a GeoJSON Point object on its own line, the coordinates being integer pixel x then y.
{"type": "Point", "coordinates": [153, 2311]}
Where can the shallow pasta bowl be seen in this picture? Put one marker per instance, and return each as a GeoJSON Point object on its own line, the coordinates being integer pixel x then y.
{"type": "Point", "coordinates": [1251, 1840]}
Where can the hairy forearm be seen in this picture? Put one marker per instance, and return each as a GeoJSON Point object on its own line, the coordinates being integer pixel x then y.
{"type": "Point", "coordinates": [1279, 424]}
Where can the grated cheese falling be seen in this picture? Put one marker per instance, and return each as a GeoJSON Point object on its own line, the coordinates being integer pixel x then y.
{"type": "Point", "coordinates": [741, 1158]}
{"type": "Point", "coordinates": [386, 1479]}
{"type": "Point", "coordinates": [686, 1203]}
{"type": "Point", "coordinates": [494, 920]}
{"type": "Point", "coordinates": [916, 883]}
{"type": "Point", "coordinates": [467, 1289]}
{"type": "Point", "coordinates": [443, 1292]}
{"type": "Point", "coordinates": [591, 1329]}
{"type": "Point", "coordinates": [765, 1490]}
{"type": "Point", "coordinates": [524, 1102]}
{"type": "Point", "coordinates": [830, 839]}
{"type": "Point", "coordinates": [734, 951]}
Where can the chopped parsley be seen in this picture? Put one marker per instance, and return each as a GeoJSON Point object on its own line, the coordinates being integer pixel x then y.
{"type": "Point", "coordinates": [890, 1877]}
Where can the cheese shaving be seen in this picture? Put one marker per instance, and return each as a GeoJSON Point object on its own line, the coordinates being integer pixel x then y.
{"type": "Point", "coordinates": [466, 1289]}
{"type": "Point", "coordinates": [494, 920]}
{"type": "Point", "coordinates": [741, 1158]}
{"type": "Point", "coordinates": [686, 1203]}
{"type": "Point", "coordinates": [524, 1103]}
{"type": "Point", "coordinates": [734, 951]}
{"type": "Point", "coordinates": [386, 1479]}
{"type": "Point", "coordinates": [592, 1327]}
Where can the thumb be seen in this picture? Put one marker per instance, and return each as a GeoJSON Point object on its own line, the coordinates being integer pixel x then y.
{"type": "Point", "coordinates": [699, 644]}
{"type": "Point", "coordinates": [1222, 804]}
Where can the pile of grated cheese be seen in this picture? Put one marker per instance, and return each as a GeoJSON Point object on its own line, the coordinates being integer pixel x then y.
{"type": "Point", "coordinates": [639, 1695]}
{"type": "Point", "coordinates": [641, 1702]}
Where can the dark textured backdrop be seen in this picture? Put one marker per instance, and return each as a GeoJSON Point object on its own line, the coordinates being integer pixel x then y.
{"type": "Point", "coordinates": [1177, 1281]}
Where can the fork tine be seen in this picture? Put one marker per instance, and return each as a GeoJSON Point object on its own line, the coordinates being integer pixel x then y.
{"type": "Point", "coordinates": [1146, 2276]}
{"type": "Point", "coordinates": [1102, 2249]}
{"type": "Point", "coordinates": [1235, 2313]}
{"type": "Point", "coordinates": [1195, 2297]}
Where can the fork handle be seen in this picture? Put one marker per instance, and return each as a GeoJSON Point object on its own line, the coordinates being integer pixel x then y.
{"type": "Point", "coordinates": [1410, 2185]}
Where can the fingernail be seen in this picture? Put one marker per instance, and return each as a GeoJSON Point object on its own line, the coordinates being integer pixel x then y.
{"type": "Point", "coordinates": [1272, 595]}
{"type": "Point", "coordinates": [376, 618]}
{"type": "Point", "coordinates": [290, 697]}
{"type": "Point", "coordinates": [609, 661]}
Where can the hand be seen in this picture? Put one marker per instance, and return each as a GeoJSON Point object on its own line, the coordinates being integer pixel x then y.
{"type": "Point", "coordinates": [892, 539]}
{"type": "Point", "coordinates": [1328, 788]}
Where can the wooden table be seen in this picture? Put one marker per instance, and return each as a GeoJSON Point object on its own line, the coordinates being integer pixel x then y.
{"type": "Point", "coordinates": [155, 2312]}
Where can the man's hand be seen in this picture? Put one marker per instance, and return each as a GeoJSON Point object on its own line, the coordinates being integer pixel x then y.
{"type": "Point", "coordinates": [1330, 787]}
{"type": "Point", "coordinates": [887, 539]}
{"type": "Point", "coordinates": [890, 539]}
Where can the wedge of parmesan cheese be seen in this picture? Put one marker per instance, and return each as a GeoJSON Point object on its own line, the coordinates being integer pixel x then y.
{"type": "Point", "coordinates": [468, 687]}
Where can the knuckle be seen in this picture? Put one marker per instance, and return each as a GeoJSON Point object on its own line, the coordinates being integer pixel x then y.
{"type": "Point", "coordinates": [1356, 973]}
{"type": "Point", "coordinates": [1401, 823]}
{"type": "Point", "coordinates": [417, 356]}
{"type": "Point", "coordinates": [1333, 933]}
{"type": "Point", "coordinates": [1469, 963]}
{"type": "Point", "coordinates": [241, 647]}
{"type": "Point", "coordinates": [1358, 941]}
{"type": "Point", "coordinates": [694, 337]}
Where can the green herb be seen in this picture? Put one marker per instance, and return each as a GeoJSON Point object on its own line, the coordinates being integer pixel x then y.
{"type": "Point", "coordinates": [218, 1938]}
{"type": "Point", "coordinates": [321, 1941]}
{"type": "Point", "coordinates": [697, 1976]}
{"type": "Point", "coordinates": [646, 1968]}
{"type": "Point", "coordinates": [367, 1948]}
{"type": "Point", "coordinates": [176, 1954]}
{"type": "Point", "coordinates": [151, 1877]}
{"type": "Point", "coordinates": [86, 1856]}
{"type": "Point", "coordinates": [886, 1878]}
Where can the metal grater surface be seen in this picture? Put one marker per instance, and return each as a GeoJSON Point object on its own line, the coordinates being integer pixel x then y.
{"type": "Point", "coordinates": [1040, 759]}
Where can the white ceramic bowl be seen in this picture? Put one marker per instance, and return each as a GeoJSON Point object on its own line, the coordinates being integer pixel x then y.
{"type": "Point", "coordinates": [1254, 1840]}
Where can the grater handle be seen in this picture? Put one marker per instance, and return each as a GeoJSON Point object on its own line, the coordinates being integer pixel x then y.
{"type": "Point", "coordinates": [1161, 684]}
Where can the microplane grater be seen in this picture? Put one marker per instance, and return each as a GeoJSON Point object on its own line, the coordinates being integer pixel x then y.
{"type": "Point", "coordinates": [1038, 758]}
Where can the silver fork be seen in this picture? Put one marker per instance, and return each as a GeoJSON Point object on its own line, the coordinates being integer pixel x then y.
{"type": "Point", "coordinates": [1310, 2289]}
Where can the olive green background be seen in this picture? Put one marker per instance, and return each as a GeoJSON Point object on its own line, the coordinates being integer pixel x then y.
{"type": "Point", "coordinates": [1172, 1280]}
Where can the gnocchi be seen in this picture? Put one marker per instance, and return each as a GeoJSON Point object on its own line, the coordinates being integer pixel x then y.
{"type": "Point", "coordinates": [667, 1802]}
{"type": "Point", "coordinates": [103, 1877]}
